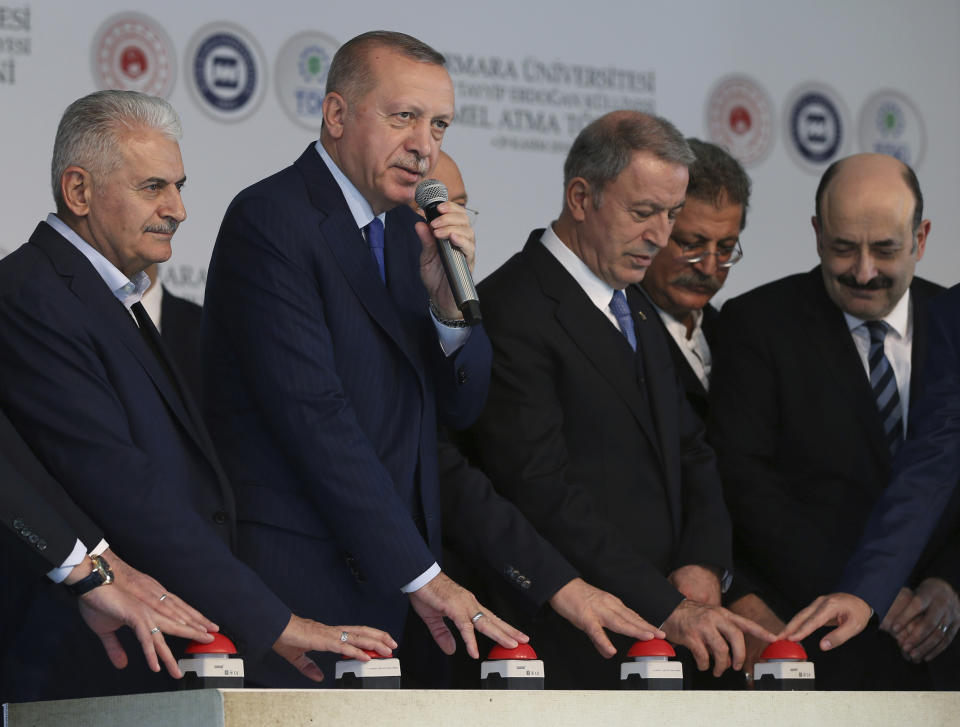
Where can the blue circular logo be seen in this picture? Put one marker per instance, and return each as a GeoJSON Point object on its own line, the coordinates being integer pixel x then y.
{"type": "Point", "coordinates": [226, 71]}
{"type": "Point", "coordinates": [816, 126]}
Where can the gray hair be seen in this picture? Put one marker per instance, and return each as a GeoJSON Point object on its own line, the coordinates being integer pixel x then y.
{"type": "Point", "coordinates": [90, 128]}
{"type": "Point", "coordinates": [350, 74]}
{"type": "Point", "coordinates": [716, 177]}
{"type": "Point", "coordinates": [605, 147]}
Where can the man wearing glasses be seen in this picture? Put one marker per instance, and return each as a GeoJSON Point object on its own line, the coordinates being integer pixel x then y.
{"type": "Point", "coordinates": [689, 271]}
{"type": "Point", "coordinates": [812, 381]}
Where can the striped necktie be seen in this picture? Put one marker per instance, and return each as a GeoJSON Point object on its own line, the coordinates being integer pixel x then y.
{"type": "Point", "coordinates": [884, 385]}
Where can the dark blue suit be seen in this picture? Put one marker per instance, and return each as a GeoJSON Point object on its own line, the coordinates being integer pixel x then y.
{"type": "Point", "coordinates": [322, 390]}
{"type": "Point", "coordinates": [925, 471]}
{"type": "Point", "coordinates": [92, 400]}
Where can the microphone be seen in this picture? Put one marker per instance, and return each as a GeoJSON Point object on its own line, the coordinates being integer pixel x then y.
{"type": "Point", "coordinates": [430, 193]}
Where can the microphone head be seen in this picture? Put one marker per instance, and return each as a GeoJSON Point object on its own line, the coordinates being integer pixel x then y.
{"type": "Point", "coordinates": [430, 191]}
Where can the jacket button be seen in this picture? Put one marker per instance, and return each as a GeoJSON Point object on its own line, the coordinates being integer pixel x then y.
{"type": "Point", "coordinates": [42, 545]}
{"type": "Point", "coordinates": [220, 517]}
{"type": "Point", "coordinates": [461, 375]}
{"type": "Point", "coordinates": [34, 538]}
{"type": "Point", "coordinates": [18, 523]}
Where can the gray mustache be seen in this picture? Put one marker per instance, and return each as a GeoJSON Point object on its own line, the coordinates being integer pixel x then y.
{"type": "Point", "coordinates": [168, 229]}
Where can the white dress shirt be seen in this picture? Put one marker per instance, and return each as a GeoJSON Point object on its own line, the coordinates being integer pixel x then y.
{"type": "Point", "coordinates": [695, 349]}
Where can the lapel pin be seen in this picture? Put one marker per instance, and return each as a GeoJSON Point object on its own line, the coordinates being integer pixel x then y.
{"type": "Point", "coordinates": [642, 315]}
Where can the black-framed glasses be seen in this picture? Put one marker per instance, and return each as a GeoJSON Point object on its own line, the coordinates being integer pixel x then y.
{"type": "Point", "coordinates": [695, 252]}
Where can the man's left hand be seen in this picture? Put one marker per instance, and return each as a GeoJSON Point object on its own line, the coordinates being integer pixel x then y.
{"type": "Point", "coordinates": [698, 583]}
{"type": "Point", "coordinates": [453, 225]}
{"type": "Point", "coordinates": [928, 623]}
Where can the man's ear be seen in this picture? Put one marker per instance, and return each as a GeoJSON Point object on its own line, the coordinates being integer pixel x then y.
{"type": "Point", "coordinates": [577, 197]}
{"type": "Point", "coordinates": [334, 113]}
{"type": "Point", "coordinates": [76, 188]}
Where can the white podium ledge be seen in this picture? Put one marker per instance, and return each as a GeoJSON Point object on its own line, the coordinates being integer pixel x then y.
{"type": "Point", "coordinates": [420, 708]}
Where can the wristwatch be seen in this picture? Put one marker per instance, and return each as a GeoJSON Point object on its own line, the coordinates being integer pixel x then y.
{"type": "Point", "coordinates": [101, 576]}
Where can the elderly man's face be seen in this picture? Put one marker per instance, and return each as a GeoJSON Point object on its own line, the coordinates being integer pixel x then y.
{"type": "Point", "coordinates": [619, 239]}
{"type": "Point", "coordinates": [868, 250]}
{"type": "Point", "coordinates": [392, 134]}
{"type": "Point", "coordinates": [679, 287]}
{"type": "Point", "coordinates": [135, 209]}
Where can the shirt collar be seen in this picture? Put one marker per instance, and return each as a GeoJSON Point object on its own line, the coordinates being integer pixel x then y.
{"type": "Point", "coordinates": [898, 319]}
{"type": "Point", "coordinates": [676, 326]}
{"type": "Point", "coordinates": [125, 290]}
{"type": "Point", "coordinates": [359, 207]}
{"type": "Point", "coordinates": [596, 289]}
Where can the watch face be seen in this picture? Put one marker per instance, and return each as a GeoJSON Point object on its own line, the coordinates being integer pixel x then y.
{"type": "Point", "coordinates": [101, 565]}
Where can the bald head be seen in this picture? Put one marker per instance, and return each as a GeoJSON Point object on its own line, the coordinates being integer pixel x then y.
{"type": "Point", "coordinates": [869, 233]}
{"type": "Point", "coordinates": [447, 171]}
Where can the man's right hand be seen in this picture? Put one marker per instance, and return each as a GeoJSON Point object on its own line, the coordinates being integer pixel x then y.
{"type": "Point", "coordinates": [844, 610]}
{"type": "Point", "coordinates": [443, 598]}
{"type": "Point", "coordinates": [592, 610]}
{"type": "Point", "coordinates": [712, 631]}
{"type": "Point", "coordinates": [303, 635]}
{"type": "Point", "coordinates": [136, 600]}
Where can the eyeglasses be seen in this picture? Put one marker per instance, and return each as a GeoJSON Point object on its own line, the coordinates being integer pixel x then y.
{"type": "Point", "coordinates": [695, 252]}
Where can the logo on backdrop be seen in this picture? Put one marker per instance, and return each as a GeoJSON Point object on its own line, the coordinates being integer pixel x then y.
{"type": "Point", "coordinates": [890, 124]}
{"type": "Point", "coordinates": [817, 126]}
{"type": "Point", "coordinates": [740, 117]}
{"type": "Point", "coordinates": [301, 76]}
{"type": "Point", "coordinates": [132, 52]}
{"type": "Point", "coordinates": [226, 72]}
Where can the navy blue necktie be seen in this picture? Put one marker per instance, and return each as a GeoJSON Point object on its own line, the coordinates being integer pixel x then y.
{"type": "Point", "coordinates": [621, 311]}
{"type": "Point", "coordinates": [884, 385]}
{"type": "Point", "coordinates": [375, 240]}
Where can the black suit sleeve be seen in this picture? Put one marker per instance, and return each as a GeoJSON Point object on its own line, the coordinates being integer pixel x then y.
{"type": "Point", "coordinates": [35, 509]}
{"type": "Point", "coordinates": [488, 529]}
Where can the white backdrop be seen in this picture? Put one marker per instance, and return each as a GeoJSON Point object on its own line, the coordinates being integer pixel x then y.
{"type": "Point", "coordinates": [528, 75]}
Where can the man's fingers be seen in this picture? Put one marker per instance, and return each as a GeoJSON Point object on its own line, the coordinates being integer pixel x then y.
{"type": "Point", "coordinates": [733, 648]}
{"type": "Point", "coordinates": [600, 640]}
{"type": "Point", "coordinates": [892, 622]}
{"type": "Point", "coordinates": [365, 637]}
{"type": "Point", "coordinates": [807, 620]}
{"type": "Point", "coordinates": [923, 627]}
{"type": "Point", "coordinates": [176, 609]}
{"type": "Point", "coordinates": [304, 664]}
{"type": "Point", "coordinates": [751, 627]}
{"type": "Point", "coordinates": [167, 657]}
{"type": "Point", "coordinates": [840, 635]}
{"type": "Point", "coordinates": [441, 634]}
{"type": "Point", "coordinates": [115, 652]}
{"type": "Point", "coordinates": [914, 607]}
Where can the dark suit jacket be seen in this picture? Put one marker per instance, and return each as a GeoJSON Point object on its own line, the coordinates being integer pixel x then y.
{"type": "Point", "coordinates": [925, 473]}
{"type": "Point", "coordinates": [802, 452]}
{"type": "Point", "coordinates": [323, 389]}
{"type": "Point", "coordinates": [94, 403]}
{"type": "Point", "coordinates": [610, 467]}
{"type": "Point", "coordinates": [180, 324]}
{"type": "Point", "coordinates": [36, 510]}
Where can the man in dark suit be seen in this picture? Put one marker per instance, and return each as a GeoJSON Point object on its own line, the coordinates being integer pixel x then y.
{"type": "Point", "coordinates": [332, 345]}
{"type": "Point", "coordinates": [90, 387]}
{"type": "Point", "coordinates": [811, 384]}
{"type": "Point", "coordinates": [925, 475]}
{"type": "Point", "coordinates": [586, 428]}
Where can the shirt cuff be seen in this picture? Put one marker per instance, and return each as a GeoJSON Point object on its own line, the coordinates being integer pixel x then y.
{"type": "Point", "coordinates": [101, 546]}
{"type": "Point", "coordinates": [79, 552]}
{"type": "Point", "coordinates": [450, 338]}
{"type": "Point", "coordinates": [423, 579]}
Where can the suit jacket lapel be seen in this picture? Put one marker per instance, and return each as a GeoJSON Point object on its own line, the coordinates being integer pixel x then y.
{"type": "Point", "coordinates": [339, 231]}
{"type": "Point", "coordinates": [598, 340]}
